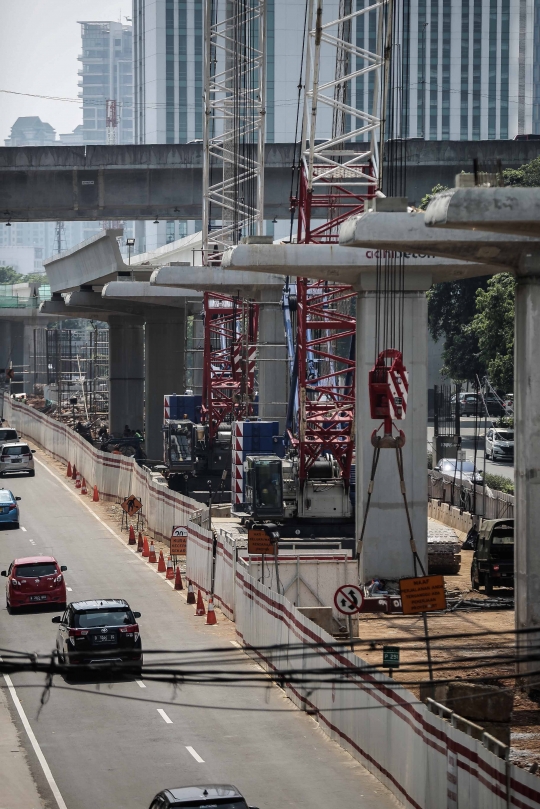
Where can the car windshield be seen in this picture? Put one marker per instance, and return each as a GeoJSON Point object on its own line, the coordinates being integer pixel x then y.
{"type": "Point", "coordinates": [90, 618]}
{"type": "Point", "coordinates": [8, 435]}
{"type": "Point", "coordinates": [34, 571]}
{"type": "Point", "coordinates": [504, 435]}
{"type": "Point", "coordinates": [18, 450]}
{"type": "Point", "coordinates": [462, 466]}
{"type": "Point", "coordinates": [6, 496]}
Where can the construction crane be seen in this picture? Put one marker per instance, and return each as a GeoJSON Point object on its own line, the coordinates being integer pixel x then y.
{"type": "Point", "coordinates": [233, 195]}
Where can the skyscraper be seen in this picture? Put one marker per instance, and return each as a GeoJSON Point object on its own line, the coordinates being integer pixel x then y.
{"type": "Point", "coordinates": [106, 74]}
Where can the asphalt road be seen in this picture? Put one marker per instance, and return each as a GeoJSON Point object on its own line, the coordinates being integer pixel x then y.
{"type": "Point", "coordinates": [115, 743]}
{"type": "Point", "coordinates": [467, 431]}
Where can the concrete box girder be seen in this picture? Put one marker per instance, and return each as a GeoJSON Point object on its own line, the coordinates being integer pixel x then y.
{"type": "Point", "coordinates": [93, 262]}
{"type": "Point", "coordinates": [337, 263]}
{"type": "Point", "coordinates": [216, 279]}
{"type": "Point", "coordinates": [139, 291]}
{"type": "Point", "coordinates": [479, 253]}
{"type": "Point", "coordinates": [514, 211]}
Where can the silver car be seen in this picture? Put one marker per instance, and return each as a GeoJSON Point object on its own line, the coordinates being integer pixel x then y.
{"type": "Point", "coordinates": [500, 444]}
{"type": "Point", "coordinates": [16, 456]}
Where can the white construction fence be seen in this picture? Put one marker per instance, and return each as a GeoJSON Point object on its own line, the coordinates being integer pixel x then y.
{"type": "Point", "coordinates": [115, 476]}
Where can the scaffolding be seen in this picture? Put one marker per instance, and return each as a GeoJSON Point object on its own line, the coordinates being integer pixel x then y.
{"type": "Point", "coordinates": [77, 368]}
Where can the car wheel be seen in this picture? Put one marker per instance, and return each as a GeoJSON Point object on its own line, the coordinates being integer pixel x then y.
{"type": "Point", "coordinates": [62, 606]}
{"type": "Point", "coordinates": [32, 473]}
{"type": "Point", "coordinates": [489, 586]}
{"type": "Point", "coordinates": [15, 525]}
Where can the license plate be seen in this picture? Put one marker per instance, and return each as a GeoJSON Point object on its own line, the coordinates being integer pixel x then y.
{"type": "Point", "coordinates": [104, 638]}
{"type": "Point", "coordinates": [16, 460]}
{"type": "Point", "coordinates": [38, 598]}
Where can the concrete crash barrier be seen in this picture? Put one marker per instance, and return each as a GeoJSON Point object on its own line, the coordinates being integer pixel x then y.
{"type": "Point", "coordinates": [115, 476]}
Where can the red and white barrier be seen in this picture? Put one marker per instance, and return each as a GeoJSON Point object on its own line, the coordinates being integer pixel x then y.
{"type": "Point", "coordinates": [199, 557]}
{"type": "Point", "coordinates": [419, 756]}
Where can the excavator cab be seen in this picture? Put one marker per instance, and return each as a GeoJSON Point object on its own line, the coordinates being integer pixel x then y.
{"type": "Point", "coordinates": [179, 445]}
{"type": "Point", "coordinates": [264, 486]}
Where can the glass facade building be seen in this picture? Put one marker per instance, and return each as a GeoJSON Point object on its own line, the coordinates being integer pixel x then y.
{"type": "Point", "coordinates": [106, 73]}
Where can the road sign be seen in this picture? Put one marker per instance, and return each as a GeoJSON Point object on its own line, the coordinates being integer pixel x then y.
{"type": "Point", "coordinates": [259, 541]}
{"type": "Point", "coordinates": [179, 540]}
{"type": "Point", "coordinates": [349, 599]}
{"type": "Point", "coordinates": [390, 657]}
{"type": "Point", "coordinates": [131, 505]}
{"type": "Point", "coordinates": [423, 594]}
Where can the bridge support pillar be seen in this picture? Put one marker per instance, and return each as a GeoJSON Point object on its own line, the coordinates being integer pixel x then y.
{"type": "Point", "coordinates": [164, 372]}
{"type": "Point", "coordinates": [273, 366]}
{"type": "Point", "coordinates": [527, 456]}
{"type": "Point", "coordinates": [126, 375]}
{"type": "Point", "coordinates": [386, 551]}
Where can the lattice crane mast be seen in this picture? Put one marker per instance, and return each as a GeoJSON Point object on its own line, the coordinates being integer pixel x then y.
{"type": "Point", "coordinates": [336, 177]}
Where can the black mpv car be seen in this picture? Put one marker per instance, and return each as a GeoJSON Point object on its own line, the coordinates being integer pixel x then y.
{"type": "Point", "coordinates": [99, 632]}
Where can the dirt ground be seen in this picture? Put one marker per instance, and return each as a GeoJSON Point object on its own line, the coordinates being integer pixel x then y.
{"type": "Point", "coordinates": [459, 657]}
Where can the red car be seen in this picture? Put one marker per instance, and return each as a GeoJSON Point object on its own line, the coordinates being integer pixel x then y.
{"type": "Point", "coordinates": [35, 580]}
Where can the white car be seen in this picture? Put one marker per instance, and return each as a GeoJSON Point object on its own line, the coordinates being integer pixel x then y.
{"type": "Point", "coordinates": [16, 456]}
{"type": "Point", "coordinates": [459, 469]}
{"type": "Point", "coordinates": [500, 444]}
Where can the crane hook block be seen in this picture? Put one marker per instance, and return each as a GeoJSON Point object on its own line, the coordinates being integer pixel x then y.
{"type": "Point", "coordinates": [388, 388]}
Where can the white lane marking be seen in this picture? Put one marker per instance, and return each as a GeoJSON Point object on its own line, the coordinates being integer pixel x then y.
{"type": "Point", "coordinates": [37, 749]}
{"type": "Point", "coordinates": [69, 589]}
{"type": "Point", "coordinates": [140, 683]}
{"type": "Point", "coordinates": [195, 755]}
{"type": "Point", "coordinates": [130, 548]}
{"type": "Point", "coordinates": [23, 529]}
{"type": "Point", "coordinates": [164, 716]}
{"type": "Point", "coordinates": [235, 643]}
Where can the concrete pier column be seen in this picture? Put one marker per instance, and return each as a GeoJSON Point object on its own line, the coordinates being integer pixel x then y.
{"type": "Point", "coordinates": [197, 355]}
{"type": "Point", "coordinates": [17, 356]}
{"type": "Point", "coordinates": [386, 551]}
{"type": "Point", "coordinates": [29, 359]}
{"type": "Point", "coordinates": [164, 371]}
{"type": "Point", "coordinates": [5, 343]}
{"type": "Point", "coordinates": [527, 454]}
{"type": "Point", "coordinates": [126, 374]}
{"type": "Point", "coordinates": [273, 367]}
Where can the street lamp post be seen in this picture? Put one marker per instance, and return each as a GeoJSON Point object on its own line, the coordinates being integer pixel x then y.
{"type": "Point", "coordinates": [130, 243]}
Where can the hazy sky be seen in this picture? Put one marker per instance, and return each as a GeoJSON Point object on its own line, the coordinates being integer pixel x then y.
{"type": "Point", "coordinates": [39, 44]}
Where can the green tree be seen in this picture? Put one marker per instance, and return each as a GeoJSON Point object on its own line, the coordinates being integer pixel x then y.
{"type": "Point", "coordinates": [426, 199]}
{"type": "Point", "coordinates": [9, 276]}
{"type": "Point", "coordinates": [527, 175]}
{"type": "Point", "coordinates": [493, 326]}
{"type": "Point", "coordinates": [451, 309]}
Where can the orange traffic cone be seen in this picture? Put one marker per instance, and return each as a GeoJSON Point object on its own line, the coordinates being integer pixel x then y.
{"type": "Point", "coordinates": [73, 472]}
{"type": "Point", "coordinates": [140, 543]}
{"type": "Point", "coordinates": [78, 481]}
{"type": "Point", "coordinates": [95, 498]}
{"type": "Point", "coordinates": [190, 594]}
{"type": "Point", "coordinates": [152, 556]}
{"type": "Point", "coordinates": [145, 551]}
{"type": "Point", "coordinates": [131, 540]}
{"type": "Point", "coordinates": [200, 605]}
{"type": "Point", "coordinates": [68, 473]}
{"type": "Point", "coordinates": [84, 490]}
{"type": "Point", "coordinates": [161, 563]}
{"type": "Point", "coordinates": [178, 580]}
{"type": "Point", "coordinates": [211, 617]}
{"type": "Point", "coordinates": [170, 569]}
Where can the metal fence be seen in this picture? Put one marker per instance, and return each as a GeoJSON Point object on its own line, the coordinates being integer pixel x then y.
{"type": "Point", "coordinates": [480, 501]}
